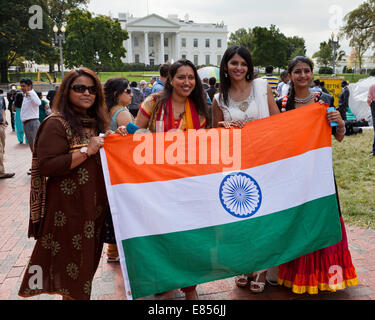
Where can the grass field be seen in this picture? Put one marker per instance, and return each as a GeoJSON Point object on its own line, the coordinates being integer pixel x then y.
{"type": "Point", "coordinates": [355, 176]}
{"type": "Point", "coordinates": [103, 76]}
{"type": "Point", "coordinates": [146, 75]}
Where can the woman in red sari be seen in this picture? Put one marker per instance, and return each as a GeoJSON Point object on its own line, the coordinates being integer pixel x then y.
{"type": "Point", "coordinates": [180, 106]}
{"type": "Point", "coordinates": [331, 268]}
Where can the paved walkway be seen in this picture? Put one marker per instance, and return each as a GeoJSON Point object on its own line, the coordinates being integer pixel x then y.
{"type": "Point", "coordinates": [16, 248]}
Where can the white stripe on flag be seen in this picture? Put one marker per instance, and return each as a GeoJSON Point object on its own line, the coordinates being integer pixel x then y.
{"type": "Point", "coordinates": [115, 220]}
{"type": "Point", "coordinates": [172, 206]}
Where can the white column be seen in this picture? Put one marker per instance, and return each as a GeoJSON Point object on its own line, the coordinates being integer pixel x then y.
{"type": "Point", "coordinates": [177, 47]}
{"type": "Point", "coordinates": [147, 58]}
{"type": "Point", "coordinates": [162, 52]}
{"type": "Point", "coordinates": [130, 48]}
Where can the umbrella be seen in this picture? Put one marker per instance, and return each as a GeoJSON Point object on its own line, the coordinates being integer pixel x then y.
{"type": "Point", "coordinates": [209, 72]}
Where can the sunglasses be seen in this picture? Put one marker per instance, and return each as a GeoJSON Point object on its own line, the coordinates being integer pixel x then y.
{"type": "Point", "coordinates": [128, 91]}
{"type": "Point", "coordinates": [81, 88]}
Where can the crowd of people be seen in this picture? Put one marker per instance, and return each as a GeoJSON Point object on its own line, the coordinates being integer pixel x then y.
{"type": "Point", "coordinates": [69, 212]}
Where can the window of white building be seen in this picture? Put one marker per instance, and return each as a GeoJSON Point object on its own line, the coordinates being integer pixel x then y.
{"type": "Point", "coordinates": [208, 60]}
{"type": "Point", "coordinates": [166, 42]}
{"type": "Point", "coordinates": [218, 60]}
{"type": "Point", "coordinates": [195, 43]}
{"type": "Point", "coordinates": [136, 58]}
{"type": "Point", "coordinates": [183, 42]}
{"type": "Point", "coordinates": [196, 60]}
{"type": "Point", "coordinates": [136, 42]}
{"type": "Point", "coordinates": [219, 43]}
{"type": "Point", "coordinates": [166, 58]}
{"type": "Point", "coordinates": [207, 43]}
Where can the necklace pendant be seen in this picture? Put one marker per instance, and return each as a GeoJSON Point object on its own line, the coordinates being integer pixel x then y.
{"type": "Point", "coordinates": [244, 106]}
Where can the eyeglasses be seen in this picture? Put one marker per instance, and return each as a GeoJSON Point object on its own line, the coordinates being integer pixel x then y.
{"type": "Point", "coordinates": [81, 88]}
{"type": "Point", "coordinates": [128, 91]}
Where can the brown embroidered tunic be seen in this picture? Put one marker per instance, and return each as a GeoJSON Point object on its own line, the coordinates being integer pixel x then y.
{"type": "Point", "coordinates": [70, 243]}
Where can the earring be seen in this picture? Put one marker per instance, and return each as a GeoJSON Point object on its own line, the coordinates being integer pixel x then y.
{"type": "Point", "coordinates": [225, 75]}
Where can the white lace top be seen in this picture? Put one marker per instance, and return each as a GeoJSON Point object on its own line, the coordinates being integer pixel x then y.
{"type": "Point", "coordinates": [254, 107]}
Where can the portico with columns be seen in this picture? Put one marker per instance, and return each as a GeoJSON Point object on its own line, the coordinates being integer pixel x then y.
{"type": "Point", "coordinates": [154, 40]}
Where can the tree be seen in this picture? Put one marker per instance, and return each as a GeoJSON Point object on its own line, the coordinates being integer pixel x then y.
{"type": "Point", "coordinates": [361, 23]}
{"type": "Point", "coordinates": [241, 37]}
{"type": "Point", "coordinates": [93, 42]}
{"type": "Point", "coordinates": [296, 47]}
{"type": "Point", "coordinates": [325, 55]}
{"type": "Point", "coordinates": [270, 47]}
{"type": "Point", "coordinates": [360, 28]}
{"type": "Point", "coordinates": [57, 11]}
{"type": "Point", "coordinates": [19, 34]}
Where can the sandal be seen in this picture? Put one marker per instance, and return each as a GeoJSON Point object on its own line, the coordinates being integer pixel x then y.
{"type": "Point", "coordinates": [257, 283]}
{"type": "Point", "coordinates": [242, 281]}
{"type": "Point", "coordinates": [111, 259]}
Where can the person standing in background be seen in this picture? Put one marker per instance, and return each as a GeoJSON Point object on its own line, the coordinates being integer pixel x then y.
{"type": "Point", "coordinates": [273, 81]}
{"type": "Point", "coordinates": [284, 83]}
{"type": "Point", "coordinates": [371, 103]}
{"type": "Point", "coordinates": [17, 122]}
{"type": "Point", "coordinates": [159, 84]}
{"type": "Point", "coordinates": [3, 175]}
{"type": "Point", "coordinates": [137, 99]}
{"type": "Point", "coordinates": [11, 97]}
{"type": "Point", "coordinates": [344, 99]}
{"type": "Point", "coordinates": [30, 112]}
{"type": "Point", "coordinates": [44, 108]}
{"type": "Point", "coordinates": [51, 95]}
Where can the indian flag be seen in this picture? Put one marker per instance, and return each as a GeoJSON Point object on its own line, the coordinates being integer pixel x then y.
{"type": "Point", "coordinates": [199, 206]}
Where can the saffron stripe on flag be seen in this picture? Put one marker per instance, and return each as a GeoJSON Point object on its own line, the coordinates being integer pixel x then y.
{"type": "Point", "coordinates": [266, 140]}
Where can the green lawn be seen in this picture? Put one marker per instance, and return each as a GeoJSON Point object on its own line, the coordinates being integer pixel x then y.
{"type": "Point", "coordinates": [103, 76]}
{"type": "Point", "coordinates": [140, 75]}
{"type": "Point", "coordinates": [355, 176]}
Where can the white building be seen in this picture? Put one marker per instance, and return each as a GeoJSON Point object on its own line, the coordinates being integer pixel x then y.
{"type": "Point", "coordinates": [154, 40]}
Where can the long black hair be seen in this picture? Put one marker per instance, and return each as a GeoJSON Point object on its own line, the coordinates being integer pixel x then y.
{"type": "Point", "coordinates": [18, 100]}
{"type": "Point", "coordinates": [112, 89]}
{"type": "Point", "coordinates": [63, 104]}
{"type": "Point", "coordinates": [225, 82]}
{"type": "Point", "coordinates": [292, 93]}
{"type": "Point", "coordinates": [197, 95]}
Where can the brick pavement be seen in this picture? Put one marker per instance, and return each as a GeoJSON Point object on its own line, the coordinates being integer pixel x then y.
{"type": "Point", "coordinates": [16, 248]}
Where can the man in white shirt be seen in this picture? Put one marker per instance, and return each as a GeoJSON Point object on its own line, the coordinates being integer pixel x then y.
{"type": "Point", "coordinates": [30, 111]}
{"type": "Point", "coordinates": [282, 84]}
{"type": "Point", "coordinates": [316, 87]}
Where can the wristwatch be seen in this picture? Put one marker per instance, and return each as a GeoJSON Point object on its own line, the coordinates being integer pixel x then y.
{"type": "Point", "coordinates": [83, 151]}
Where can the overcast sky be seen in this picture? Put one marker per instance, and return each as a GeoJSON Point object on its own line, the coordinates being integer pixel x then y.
{"type": "Point", "coordinates": [314, 20]}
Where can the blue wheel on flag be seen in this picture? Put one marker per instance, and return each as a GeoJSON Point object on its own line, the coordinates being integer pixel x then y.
{"type": "Point", "coordinates": [240, 195]}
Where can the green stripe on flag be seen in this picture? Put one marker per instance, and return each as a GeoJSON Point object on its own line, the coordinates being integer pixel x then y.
{"type": "Point", "coordinates": [170, 261]}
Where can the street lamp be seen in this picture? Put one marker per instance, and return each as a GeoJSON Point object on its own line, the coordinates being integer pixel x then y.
{"type": "Point", "coordinates": [59, 41]}
{"type": "Point", "coordinates": [334, 47]}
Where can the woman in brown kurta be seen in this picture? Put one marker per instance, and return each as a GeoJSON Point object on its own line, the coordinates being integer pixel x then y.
{"type": "Point", "coordinates": [68, 196]}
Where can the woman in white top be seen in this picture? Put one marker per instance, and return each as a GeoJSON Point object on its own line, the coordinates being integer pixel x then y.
{"type": "Point", "coordinates": [241, 99]}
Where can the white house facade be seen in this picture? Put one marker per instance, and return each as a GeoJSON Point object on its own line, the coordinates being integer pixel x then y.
{"type": "Point", "coordinates": [155, 40]}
